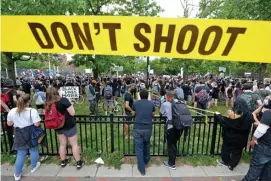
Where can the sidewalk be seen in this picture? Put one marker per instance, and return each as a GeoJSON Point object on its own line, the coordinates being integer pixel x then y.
{"type": "Point", "coordinates": [127, 172]}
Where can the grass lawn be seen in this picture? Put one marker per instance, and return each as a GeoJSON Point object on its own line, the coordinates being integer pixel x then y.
{"type": "Point", "coordinates": [94, 136]}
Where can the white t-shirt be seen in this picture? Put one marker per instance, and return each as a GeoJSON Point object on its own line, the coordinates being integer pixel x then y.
{"type": "Point", "coordinates": [23, 119]}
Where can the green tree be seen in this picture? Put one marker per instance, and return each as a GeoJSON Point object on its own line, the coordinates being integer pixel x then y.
{"type": "Point", "coordinates": [33, 7]}
{"type": "Point", "coordinates": [101, 63]}
{"type": "Point", "coordinates": [239, 9]}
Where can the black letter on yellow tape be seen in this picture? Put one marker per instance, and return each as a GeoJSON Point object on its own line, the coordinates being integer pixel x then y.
{"type": "Point", "coordinates": [167, 39]}
{"type": "Point", "coordinates": [234, 33]}
{"type": "Point", "coordinates": [80, 36]}
{"type": "Point", "coordinates": [142, 38]}
{"type": "Point", "coordinates": [54, 27]}
{"type": "Point", "coordinates": [193, 40]}
{"type": "Point", "coordinates": [205, 37]}
{"type": "Point", "coordinates": [34, 26]}
{"type": "Point", "coordinates": [112, 34]}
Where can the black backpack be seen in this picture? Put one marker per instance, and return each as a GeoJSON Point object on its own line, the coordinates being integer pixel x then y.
{"type": "Point", "coordinates": [181, 117]}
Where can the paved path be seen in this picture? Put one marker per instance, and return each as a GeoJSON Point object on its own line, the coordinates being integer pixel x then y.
{"type": "Point", "coordinates": [127, 173]}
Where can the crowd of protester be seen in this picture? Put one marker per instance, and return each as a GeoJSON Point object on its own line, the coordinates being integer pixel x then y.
{"type": "Point", "coordinates": [249, 104]}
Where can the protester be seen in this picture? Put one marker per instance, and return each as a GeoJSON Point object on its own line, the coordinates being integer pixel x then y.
{"type": "Point", "coordinates": [215, 94]}
{"type": "Point", "coordinates": [173, 134]}
{"type": "Point", "coordinates": [262, 92]}
{"type": "Point", "coordinates": [39, 98]}
{"type": "Point", "coordinates": [236, 128]}
{"type": "Point", "coordinates": [69, 130]}
{"type": "Point", "coordinates": [229, 95]}
{"type": "Point", "coordinates": [91, 95]}
{"type": "Point", "coordinates": [143, 110]}
{"type": "Point", "coordinates": [128, 104]}
{"type": "Point", "coordinates": [252, 99]}
{"type": "Point", "coordinates": [179, 92]}
{"type": "Point", "coordinates": [202, 96]}
{"type": "Point", "coordinates": [26, 86]}
{"type": "Point", "coordinates": [108, 95]}
{"type": "Point", "coordinates": [22, 118]}
{"type": "Point", "coordinates": [260, 164]}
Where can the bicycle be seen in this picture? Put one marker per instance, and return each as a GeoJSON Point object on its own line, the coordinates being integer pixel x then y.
{"type": "Point", "coordinates": [115, 108]}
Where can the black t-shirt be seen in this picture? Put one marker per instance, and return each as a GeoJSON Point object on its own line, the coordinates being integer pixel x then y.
{"type": "Point", "coordinates": [266, 138]}
{"type": "Point", "coordinates": [128, 97]}
{"type": "Point", "coordinates": [62, 105]}
{"type": "Point", "coordinates": [186, 90]}
{"type": "Point", "coordinates": [26, 88]}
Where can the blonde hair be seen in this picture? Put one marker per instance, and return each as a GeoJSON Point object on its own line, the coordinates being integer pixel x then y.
{"type": "Point", "coordinates": [22, 102]}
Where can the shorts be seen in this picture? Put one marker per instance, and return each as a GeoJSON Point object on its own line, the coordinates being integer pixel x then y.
{"type": "Point", "coordinates": [129, 117]}
{"type": "Point", "coordinates": [68, 132]}
{"type": "Point", "coordinates": [108, 103]}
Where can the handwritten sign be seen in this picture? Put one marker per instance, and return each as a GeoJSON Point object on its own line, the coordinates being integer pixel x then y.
{"type": "Point", "coordinates": [71, 92]}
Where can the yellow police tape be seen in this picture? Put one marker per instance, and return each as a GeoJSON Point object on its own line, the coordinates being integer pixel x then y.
{"type": "Point", "coordinates": [234, 40]}
{"type": "Point", "coordinates": [206, 116]}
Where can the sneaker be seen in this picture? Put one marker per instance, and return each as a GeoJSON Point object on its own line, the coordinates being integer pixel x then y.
{"type": "Point", "coordinates": [17, 177]}
{"type": "Point", "coordinates": [221, 163]}
{"type": "Point", "coordinates": [80, 164]}
{"type": "Point", "coordinates": [230, 168]}
{"type": "Point", "coordinates": [173, 167]}
{"type": "Point", "coordinates": [65, 162]}
{"type": "Point", "coordinates": [142, 173]}
{"type": "Point", "coordinates": [36, 168]}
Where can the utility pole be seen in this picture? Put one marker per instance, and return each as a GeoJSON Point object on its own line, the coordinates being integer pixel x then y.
{"type": "Point", "coordinates": [148, 71]}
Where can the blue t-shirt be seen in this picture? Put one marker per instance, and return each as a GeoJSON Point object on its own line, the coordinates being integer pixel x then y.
{"type": "Point", "coordinates": [144, 109]}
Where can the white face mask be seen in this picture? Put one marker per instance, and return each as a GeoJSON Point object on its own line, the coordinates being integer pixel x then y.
{"type": "Point", "coordinates": [266, 102]}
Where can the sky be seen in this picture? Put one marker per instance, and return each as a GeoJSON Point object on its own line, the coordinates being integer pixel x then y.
{"type": "Point", "coordinates": [172, 9]}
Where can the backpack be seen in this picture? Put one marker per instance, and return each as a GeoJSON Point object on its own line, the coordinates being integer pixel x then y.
{"type": "Point", "coordinates": [39, 100]}
{"type": "Point", "coordinates": [53, 118]}
{"type": "Point", "coordinates": [91, 90]}
{"type": "Point", "coordinates": [108, 93]}
{"type": "Point", "coordinates": [181, 117]}
{"type": "Point", "coordinates": [5, 98]}
{"type": "Point", "coordinates": [203, 96]}
{"type": "Point", "coordinates": [238, 92]}
{"type": "Point", "coordinates": [155, 88]}
{"type": "Point", "coordinates": [248, 98]}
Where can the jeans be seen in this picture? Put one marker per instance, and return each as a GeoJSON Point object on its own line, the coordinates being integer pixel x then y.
{"type": "Point", "coordinates": [21, 155]}
{"type": "Point", "coordinates": [231, 155]}
{"type": "Point", "coordinates": [202, 106]}
{"type": "Point", "coordinates": [92, 106]}
{"type": "Point", "coordinates": [173, 136]}
{"type": "Point", "coordinates": [142, 146]}
{"type": "Point", "coordinates": [260, 164]}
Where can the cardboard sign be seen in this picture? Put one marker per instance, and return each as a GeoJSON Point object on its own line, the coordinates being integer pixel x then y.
{"type": "Point", "coordinates": [71, 92]}
{"type": "Point", "coordinates": [211, 39]}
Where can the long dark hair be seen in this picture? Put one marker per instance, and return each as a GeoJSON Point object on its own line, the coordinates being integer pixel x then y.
{"type": "Point", "coordinates": [52, 96]}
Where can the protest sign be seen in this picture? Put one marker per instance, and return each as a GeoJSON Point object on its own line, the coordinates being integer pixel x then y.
{"type": "Point", "coordinates": [71, 92]}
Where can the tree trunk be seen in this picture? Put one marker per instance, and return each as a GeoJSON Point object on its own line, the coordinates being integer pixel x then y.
{"type": "Point", "coordinates": [263, 67]}
{"type": "Point", "coordinates": [10, 66]}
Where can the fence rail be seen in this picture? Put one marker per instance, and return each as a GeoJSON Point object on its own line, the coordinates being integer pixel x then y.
{"type": "Point", "coordinates": [106, 134]}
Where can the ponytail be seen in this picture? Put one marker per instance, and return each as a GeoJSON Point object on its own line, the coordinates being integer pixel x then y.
{"type": "Point", "coordinates": [22, 102]}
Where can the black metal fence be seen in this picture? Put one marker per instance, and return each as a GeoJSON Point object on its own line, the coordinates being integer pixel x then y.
{"type": "Point", "coordinates": [106, 134]}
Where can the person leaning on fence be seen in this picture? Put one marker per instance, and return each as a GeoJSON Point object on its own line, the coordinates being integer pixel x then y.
{"type": "Point", "coordinates": [236, 128]}
{"type": "Point", "coordinates": [144, 111]}
{"type": "Point", "coordinates": [69, 130]}
{"type": "Point", "coordinates": [22, 118]}
{"type": "Point", "coordinates": [260, 164]}
{"type": "Point", "coordinates": [128, 104]}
